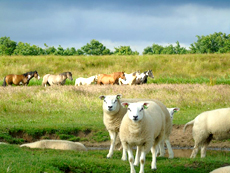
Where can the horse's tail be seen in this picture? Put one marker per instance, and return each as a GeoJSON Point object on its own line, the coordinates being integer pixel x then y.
{"type": "Point", "coordinates": [4, 82]}
{"type": "Point", "coordinates": [187, 124]}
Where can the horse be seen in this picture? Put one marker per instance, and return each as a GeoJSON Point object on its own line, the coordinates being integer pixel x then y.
{"type": "Point", "coordinates": [85, 81]}
{"type": "Point", "coordinates": [130, 79]}
{"type": "Point", "coordinates": [59, 79]}
{"type": "Point", "coordinates": [110, 78]}
{"type": "Point", "coordinates": [32, 74]}
{"type": "Point", "coordinates": [22, 79]}
{"type": "Point", "coordinates": [142, 78]}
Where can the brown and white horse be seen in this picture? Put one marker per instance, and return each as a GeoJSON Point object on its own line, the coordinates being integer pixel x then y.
{"type": "Point", "coordinates": [22, 79]}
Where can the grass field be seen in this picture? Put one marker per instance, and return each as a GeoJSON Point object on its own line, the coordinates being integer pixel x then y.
{"type": "Point", "coordinates": [195, 83]}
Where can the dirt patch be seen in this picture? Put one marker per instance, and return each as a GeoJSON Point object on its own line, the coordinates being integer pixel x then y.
{"type": "Point", "coordinates": [178, 139]}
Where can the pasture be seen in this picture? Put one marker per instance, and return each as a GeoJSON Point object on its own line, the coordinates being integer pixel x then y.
{"type": "Point", "coordinates": [29, 113]}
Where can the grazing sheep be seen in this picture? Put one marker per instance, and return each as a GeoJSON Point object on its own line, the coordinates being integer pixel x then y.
{"type": "Point", "coordinates": [209, 125]}
{"type": "Point", "coordinates": [224, 169]}
{"type": "Point", "coordinates": [143, 126]}
{"type": "Point", "coordinates": [56, 144]}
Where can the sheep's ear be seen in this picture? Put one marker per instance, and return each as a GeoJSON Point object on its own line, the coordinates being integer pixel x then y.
{"type": "Point", "coordinates": [119, 96]}
{"type": "Point", "coordinates": [176, 110]}
{"type": "Point", "coordinates": [102, 97]}
{"type": "Point", "coordinates": [145, 105]}
{"type": "Point", "coordinates": [125, 105]}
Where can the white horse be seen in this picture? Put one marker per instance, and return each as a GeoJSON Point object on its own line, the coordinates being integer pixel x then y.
{"type": "Point", "coordinates": [131, 78]}
{"type": "Point", "coordinates": [85, 81]}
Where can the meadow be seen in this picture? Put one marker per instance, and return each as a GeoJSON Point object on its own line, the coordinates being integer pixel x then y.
{"type": "Point", "coordinates": [195, 83]}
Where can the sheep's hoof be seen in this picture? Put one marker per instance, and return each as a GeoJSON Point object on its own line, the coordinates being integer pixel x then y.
{"type": "Point", "coordinates": [108, 157]}
{"type": "Point", "coordinates": [154, 169]}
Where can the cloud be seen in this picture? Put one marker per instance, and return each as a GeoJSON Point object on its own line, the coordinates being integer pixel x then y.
{"type": "Point", "coordinates": [133, 23]}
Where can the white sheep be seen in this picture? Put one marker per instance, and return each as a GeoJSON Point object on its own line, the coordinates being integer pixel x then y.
{"type": "Point", "coordinates": [209, 125]}
{"type": "Point", "coordinates": [56, 144]}
{"type": "Point", "coordinates": [143, 126]}
{"type": "Point", "coordinates": [224, 169]}
{"type": "Point", "coordinates": [113, 113]}
{"type": "Point", "coordinates": [172, 111]}
{"type": "Point", "coordinates": [169, 127]}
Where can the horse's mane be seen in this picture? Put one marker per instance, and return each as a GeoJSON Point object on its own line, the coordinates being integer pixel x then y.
{"type": "Point", "coordinates": [65, 73]}
{"type": "Point", "coordinates": [29, 73]}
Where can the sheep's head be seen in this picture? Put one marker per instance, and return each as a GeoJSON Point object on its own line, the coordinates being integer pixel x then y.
{"type": "Point", "coordinates": [111, 104]}
{"type": "Point", "coordinates": [135, 110]}
{"type": "Point", "coordinates": [172, 111]}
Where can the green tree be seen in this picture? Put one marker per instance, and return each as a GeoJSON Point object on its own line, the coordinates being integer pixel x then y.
{"type": "Point", "coordinates": [217, 42]}
{"type": "Point", "coordinates": [59, 51]}
{"type": "Point", "coordinates": [26, 49]}
{"type": "Point", "coordinates": [148, 51]}
{"type": "Point", "coordinates": [125, 50]}
{"type": "Point", "coordinates": [7, 46]}
{"type": "Point", "coordinates": [95, 48]}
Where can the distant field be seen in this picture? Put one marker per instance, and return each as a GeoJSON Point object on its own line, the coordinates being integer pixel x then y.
{"type": "Point", "coordinates": [205, 68]}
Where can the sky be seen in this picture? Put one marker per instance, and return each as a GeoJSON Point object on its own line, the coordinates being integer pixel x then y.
{"type": "Point", "coordinates": [114, 23]}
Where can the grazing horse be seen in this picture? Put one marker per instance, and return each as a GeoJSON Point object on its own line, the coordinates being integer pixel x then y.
{"type": "Point", "coordinates": [20, 79]}
{"type": "Point", "coordinates": [32, 74]}
{"type": "Point", "coordinates": [60, 79]}
{"type": "Point", "coordinates": [85, 81]}
{"type": "Point", "coordinates": [110, 78]}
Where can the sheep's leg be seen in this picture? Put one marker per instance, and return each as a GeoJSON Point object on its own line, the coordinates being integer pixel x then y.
{"type": "Point", "coordinates": [203, 151]}
{"type": "Point", "coordinates": [113, 136]}
{"type": "Point", "coordinates": [170, 151]}
{"type": "Point", "coordinates": [124, 155]}
{"type": "Point", "coordinates": [131, 160]}
{"type": "Point", "coordinates": [142, 160]}
{"type": "Point", "coordinates": [162, 149]}
{"type": "Point", "coordinates": [195, 151]}
{"type": "Point", "coordinates": [137, 157]}
{"type": "Point", "coordinates": [154, 158]}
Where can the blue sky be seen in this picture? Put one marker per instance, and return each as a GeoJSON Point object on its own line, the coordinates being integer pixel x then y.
{"type": "Point", "coordinates": [135, 23]}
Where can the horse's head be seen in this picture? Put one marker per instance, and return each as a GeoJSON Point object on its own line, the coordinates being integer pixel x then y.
{"type": "Point", "coordinates": [122, 75]}
{"type": "Point", "coordinates": [36, 75]}
{"type": "Point", "coordinates": [150, 73]}
{"type": "Point", "coordinates": [69, 75]}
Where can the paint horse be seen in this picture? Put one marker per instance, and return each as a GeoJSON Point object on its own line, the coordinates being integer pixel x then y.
{"type": "Point", "coordinates": [143, 77]}
{"type": "Point", "coordinates": [110, 78]}
{"type": "Point", "coordinates": [22, 79]}
{"type": "Point", "coordinates": [59, 79]}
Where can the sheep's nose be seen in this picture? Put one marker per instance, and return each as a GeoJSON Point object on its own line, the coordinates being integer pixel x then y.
{"type": "Point", "coordinates": [135, 117]}
{"type": "Point", "coordinates": [110, 107]}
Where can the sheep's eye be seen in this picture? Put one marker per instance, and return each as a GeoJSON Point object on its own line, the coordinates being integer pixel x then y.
{"type": "Point", "coordinates": [141, 109]}
{"type": "Point", "coordinates": [105, 101]}
{"type": "Point", "coordinates": [129, 109]}
{"type": "Point", "coordinates": [115, 101]}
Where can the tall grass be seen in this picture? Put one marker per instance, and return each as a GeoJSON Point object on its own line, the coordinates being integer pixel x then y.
{"type": "Point", "coordinates": [166, 68]}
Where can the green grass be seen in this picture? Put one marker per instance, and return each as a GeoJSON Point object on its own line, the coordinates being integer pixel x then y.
{"type": "Point", "coordinates": [194, 83]}
{"type": "Point", "coordinates": [21, 160]}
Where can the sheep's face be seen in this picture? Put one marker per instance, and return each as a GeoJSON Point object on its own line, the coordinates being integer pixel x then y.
{"type": "Point", "coordinates": [135, 110]}
{"type": "Point", "coordinates": [111, 103]}
{"type": "Point", "coordinates": [172, 111]}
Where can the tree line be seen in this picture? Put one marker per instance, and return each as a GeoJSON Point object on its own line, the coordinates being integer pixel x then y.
{"type": "Point", "coordinates": [213, 43]}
